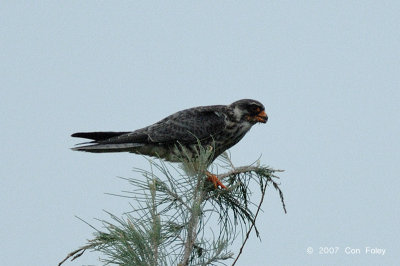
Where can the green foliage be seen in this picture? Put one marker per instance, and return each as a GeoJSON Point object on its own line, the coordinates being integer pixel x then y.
{"type": "Point", "coordinates": [182, 219]}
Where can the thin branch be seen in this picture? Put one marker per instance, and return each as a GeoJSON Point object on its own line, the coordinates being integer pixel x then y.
{"type": "Point", "coordinates": [77, 253]}
{"type": "Point", "coordinates": [252, 225]}
{"type": "Point", "coordinates": [280, 195]}
{"type": "Point", "coordinates": [241, 170]}
{"type": "Point", "coordinates": [195, 212]}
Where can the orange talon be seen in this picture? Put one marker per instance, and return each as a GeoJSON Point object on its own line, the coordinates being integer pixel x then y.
{"type": "Point", "coordinates": [213, 178]}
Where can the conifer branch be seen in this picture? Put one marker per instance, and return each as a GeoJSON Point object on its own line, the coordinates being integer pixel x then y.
{"type": "Point", "coordinates": [181, 219]}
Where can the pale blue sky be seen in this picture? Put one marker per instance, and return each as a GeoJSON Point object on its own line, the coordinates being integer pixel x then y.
{"type": "Point", "coordinates": [327, 72]}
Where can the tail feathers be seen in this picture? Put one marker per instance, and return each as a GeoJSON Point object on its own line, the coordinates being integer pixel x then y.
{"type": "Point", "coordinates": [98, 136]}
{"type": "Point", "coordinates": [102, 148]}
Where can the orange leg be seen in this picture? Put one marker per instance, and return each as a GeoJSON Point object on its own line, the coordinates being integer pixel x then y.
{"type": "Point", "coordinates": [213, 178]}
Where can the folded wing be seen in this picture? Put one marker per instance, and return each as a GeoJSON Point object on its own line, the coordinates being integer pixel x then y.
{"type": "Point", "coordinates": [184, 127]}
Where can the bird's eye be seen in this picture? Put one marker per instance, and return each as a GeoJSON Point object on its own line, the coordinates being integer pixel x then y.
{"type": "Point", "coordinates": [254, 109]}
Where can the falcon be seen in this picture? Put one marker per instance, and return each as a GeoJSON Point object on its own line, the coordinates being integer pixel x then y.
{"type": "Point", "coordinates": [216, 126]}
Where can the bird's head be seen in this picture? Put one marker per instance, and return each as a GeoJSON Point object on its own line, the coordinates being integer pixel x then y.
{"type": "Point", "coordinates": [249, 110]}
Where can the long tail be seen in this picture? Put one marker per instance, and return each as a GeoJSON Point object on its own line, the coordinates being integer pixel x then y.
{"type": "Point", "coordinates": [98, 136]}
{"type": "Point", "coordinates": [106, 142]}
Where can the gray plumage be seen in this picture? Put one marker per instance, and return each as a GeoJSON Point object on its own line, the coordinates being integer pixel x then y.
{"type": "Point", "coordinates": [219, 125]}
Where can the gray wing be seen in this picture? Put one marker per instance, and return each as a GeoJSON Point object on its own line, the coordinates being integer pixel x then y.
{"type": "Point", "coordinates": [184, 127]}
{"type": "Point", "coordinates": [189, 125]}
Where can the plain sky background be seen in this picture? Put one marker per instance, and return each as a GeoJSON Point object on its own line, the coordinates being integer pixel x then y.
{"type": "Point", "coordinates": [328, 73]}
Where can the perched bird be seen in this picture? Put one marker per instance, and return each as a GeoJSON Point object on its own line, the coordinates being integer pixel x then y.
{"type": "Point", "coordinates": [218, 126]}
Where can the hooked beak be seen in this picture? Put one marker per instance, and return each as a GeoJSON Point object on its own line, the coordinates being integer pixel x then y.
{"type": "Point", "coordinates": [262, 117]}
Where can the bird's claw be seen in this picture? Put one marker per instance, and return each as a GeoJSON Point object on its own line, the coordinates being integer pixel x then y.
{"type": "Point", "coordinates": [214, 179]}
